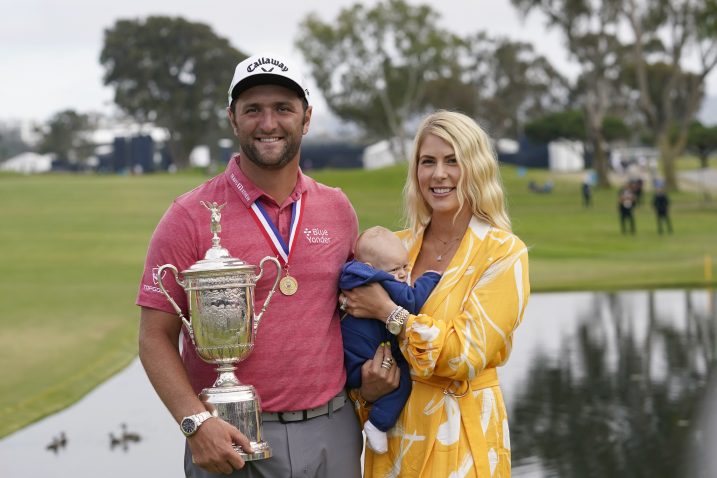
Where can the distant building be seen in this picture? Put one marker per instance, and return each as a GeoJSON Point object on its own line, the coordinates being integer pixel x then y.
{"type": "Point", "coordinates": [566, 156]}
{"type": "Point", "coordinates": [130, 148]}
{"type": "Point", "coordinates": [28, 163]}
{"type": "Point", "coordinates": [559, 155]}
{"type": "Point", "coordinates": [381, 154]}
{"type": "Point", "coordinates": [331, 154]}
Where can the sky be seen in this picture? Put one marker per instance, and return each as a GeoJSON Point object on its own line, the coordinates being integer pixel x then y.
{"type": "Point", "coordinates": [49, 50]}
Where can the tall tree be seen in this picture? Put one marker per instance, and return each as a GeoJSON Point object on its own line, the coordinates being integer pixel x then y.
{"type": "Point", "coordinates": [173, 73]}
{"type": "Point", "coordinates": [66, 135]}
{"type": "Point", "coordinates": [512, 84]}
{"type": "Point", "coordinates": [501, 83]}
{"type": "Point", "coordinates": [589, 28]}
{"type": "Point", "coordinates": [11, 141]}
{"type": "Point", "coordinates": [702, 140]}
{"type": "Point", "coordinates": [570, 124]}
{"type": "Point", "coordinates": [563, 125]}
{"type": "Point", "coordinates": [373, 64]}
{"type": "Point", "coordinates": [672, 33]}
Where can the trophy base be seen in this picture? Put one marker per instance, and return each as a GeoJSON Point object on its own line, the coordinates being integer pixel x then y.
{"type": "Point", "coordinates": [261, 450]}
{"type": "Point", "coordinates": [239, 405]}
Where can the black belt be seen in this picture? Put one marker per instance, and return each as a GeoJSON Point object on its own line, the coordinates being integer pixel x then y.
{"type": "Point", "coordinates": [302, 415]}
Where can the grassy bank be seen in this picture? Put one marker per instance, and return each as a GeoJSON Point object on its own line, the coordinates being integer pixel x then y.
{"type": "Point", "coordinates": [73, 247]}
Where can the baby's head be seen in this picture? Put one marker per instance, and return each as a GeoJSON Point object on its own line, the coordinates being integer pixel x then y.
{"type": "Point", "coordinates": [381, 249]}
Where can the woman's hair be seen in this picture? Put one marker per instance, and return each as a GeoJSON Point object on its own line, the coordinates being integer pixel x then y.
{"type": "Point", "coordinates": [479, 186]}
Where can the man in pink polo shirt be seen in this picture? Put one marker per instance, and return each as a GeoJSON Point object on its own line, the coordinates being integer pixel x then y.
{"type": "Point", "coordinates": [271, 209]}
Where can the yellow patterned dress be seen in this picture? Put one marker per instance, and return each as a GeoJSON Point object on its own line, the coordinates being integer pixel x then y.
{"type": "Point", "coordinates": [455, 424]}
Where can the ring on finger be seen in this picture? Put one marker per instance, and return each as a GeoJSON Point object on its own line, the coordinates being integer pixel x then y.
{"type": "Point", "coordinates": [386, 365]}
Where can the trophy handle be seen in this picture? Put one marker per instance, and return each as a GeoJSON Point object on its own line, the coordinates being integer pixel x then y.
{"type": "Point", "coordinates": [257, 318]}
{"type": "Point", "coordinates": [169, 297]}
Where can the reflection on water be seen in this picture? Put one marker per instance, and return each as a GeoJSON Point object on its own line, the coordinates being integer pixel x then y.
{"type": "Point", "coordinates": [121, 429]}
{"type": "Point", "coordinates": [598, 385]}
{"type": "Point", "coordinates": [615, 392]}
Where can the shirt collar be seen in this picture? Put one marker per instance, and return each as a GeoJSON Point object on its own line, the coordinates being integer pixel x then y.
{"type": "Point", "coordinates": [248, 192]}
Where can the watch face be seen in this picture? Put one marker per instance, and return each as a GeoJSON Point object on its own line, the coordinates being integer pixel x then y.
{"type": "Point", "coordinates": [394, 327]}
{"type": "Point", "coordinates": [188, 426]}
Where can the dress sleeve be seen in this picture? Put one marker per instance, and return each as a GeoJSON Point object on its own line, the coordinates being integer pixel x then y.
{"type": "Point", "coordinates": [476, 330]}
{"type": "Point", "coordinates": [361, 406]}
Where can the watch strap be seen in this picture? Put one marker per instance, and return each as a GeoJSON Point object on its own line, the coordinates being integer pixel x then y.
{"type": "Point", "coordinates": [198, 419]}
{"type": "Point", "coordinates": [396, 320]}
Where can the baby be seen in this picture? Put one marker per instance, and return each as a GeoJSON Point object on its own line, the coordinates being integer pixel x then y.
{"type": "Point", "coordinates": [382, 258]}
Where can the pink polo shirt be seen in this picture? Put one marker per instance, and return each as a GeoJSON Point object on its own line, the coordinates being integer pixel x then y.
{"type": "Point", "coordinates": [297, 361]}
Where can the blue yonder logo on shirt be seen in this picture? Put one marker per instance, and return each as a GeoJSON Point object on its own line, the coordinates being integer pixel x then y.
{"type": "Point", "coordinates": [317, 235]}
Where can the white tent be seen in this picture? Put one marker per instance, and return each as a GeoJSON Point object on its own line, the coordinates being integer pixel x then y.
{"type": "Point", "coordinates": [379, 155]}
{"type": "Point", "coordinates": [28, 163]}
{"type": "Point", "coordinates": [507, 146]}
{"type": "Point", "coordinates": [565, 155]}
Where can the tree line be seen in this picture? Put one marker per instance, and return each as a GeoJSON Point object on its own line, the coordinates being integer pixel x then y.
{"type": "Point", "coordinates": [642, 69]}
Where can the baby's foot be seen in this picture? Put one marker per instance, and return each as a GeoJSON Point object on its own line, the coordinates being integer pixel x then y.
{"type": "Point", "coordinates": [376, 439]}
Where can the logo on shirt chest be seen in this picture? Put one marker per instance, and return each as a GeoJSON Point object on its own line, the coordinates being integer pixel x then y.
{"type": "Point", "coordinates": [317, 235]}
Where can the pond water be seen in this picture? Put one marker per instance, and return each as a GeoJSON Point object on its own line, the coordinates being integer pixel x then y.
{"type": "Point", "coordinates": [598, 385]}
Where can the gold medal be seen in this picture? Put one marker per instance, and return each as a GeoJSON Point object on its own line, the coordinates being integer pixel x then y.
{"type": "Point", "coordinates": [288, 285]}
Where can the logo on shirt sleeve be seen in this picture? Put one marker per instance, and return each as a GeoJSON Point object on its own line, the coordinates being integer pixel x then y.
{"type": "Point", "coordinates": [155, 281]}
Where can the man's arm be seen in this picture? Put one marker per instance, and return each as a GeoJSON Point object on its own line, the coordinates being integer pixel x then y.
{"type": "Point", "coordinates": [159, 353]}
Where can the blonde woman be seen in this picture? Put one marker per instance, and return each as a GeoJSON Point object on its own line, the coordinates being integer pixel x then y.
{"type": "Point", "coordinates": [454, 423]}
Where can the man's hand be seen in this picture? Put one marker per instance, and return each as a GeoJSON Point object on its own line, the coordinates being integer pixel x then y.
{"type": "Point", "coordinates": [212, 447]}
{"type": "Point", "coordinates": [377, 381]}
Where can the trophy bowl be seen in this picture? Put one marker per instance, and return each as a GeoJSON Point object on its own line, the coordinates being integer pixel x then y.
{"type": "Point", "coordinates": [220, 298]}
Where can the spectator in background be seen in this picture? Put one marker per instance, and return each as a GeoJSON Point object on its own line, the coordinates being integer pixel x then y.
{"type": "Point", "coordinates": [626, 205]}
{"type": "Point", "coordinates": [587, 193]}
{"type": "Point", "coordinates": [661, 203]}
{"type": "Point", "coordinates": [546, 187]}
{"type": "Point", "coordinates": [637, 185]}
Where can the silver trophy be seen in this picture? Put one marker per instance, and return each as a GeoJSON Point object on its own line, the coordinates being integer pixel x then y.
{"type": "Point", "coordinates": [220, 295]}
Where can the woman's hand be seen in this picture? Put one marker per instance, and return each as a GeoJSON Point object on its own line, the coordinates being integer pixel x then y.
{"type": "Point", "coordinates": [367, 302]}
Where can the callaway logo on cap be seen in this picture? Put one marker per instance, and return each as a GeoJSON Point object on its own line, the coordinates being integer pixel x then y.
{"type": "Point", "coordinates": [266, 69]}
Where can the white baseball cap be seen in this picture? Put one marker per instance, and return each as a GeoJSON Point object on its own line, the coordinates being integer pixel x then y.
{"type": "Point", "coordinates": [267, 69]}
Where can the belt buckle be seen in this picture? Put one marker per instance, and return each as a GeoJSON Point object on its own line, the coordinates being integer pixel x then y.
{"type": "Point", "coordinates": [304, 417]}
{"type": "Point", "coordinates": [446, 391]}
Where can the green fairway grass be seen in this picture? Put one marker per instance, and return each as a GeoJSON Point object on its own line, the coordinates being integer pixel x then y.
{"type": "Point", "coordinates": [73, 247]}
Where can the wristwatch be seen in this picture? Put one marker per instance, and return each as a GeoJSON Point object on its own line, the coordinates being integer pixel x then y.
{"type": "Point", "coordinates": [189, 425]}
{"type": "Point", "coordinates": [396, 319]}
